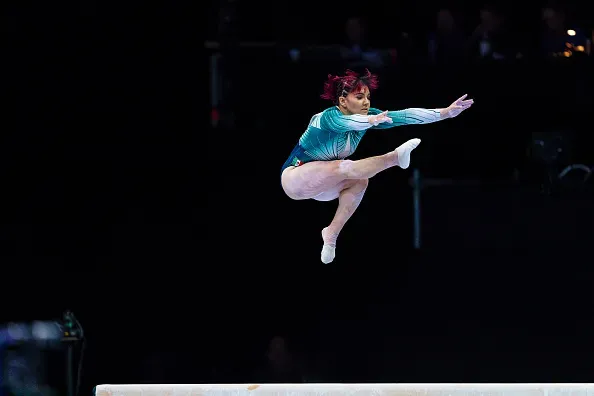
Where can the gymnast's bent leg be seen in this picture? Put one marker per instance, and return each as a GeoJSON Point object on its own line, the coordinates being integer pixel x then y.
{"type": "Point", "coordinates": [349, 193]}
{"type": "Point", "coordinates": [314, 178]}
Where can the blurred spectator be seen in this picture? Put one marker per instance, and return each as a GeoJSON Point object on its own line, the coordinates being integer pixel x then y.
{"type": "Point", "coordinates": [557, 38]}
{"type": "Point", "coordinates": [554, 32]}
{"type": "Point", "coordinates": [356, 51]}
{"type": "Point", "coordinates": [447, 42]}
{"type": "Point", "coordinates": [491, 39]}
{"type": "Point", "coordinates": [281, 365]}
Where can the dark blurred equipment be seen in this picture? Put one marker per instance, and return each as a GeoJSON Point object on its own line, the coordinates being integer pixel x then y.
{"type": "Point", "coordinates": [228, 20]}
{"type": "Point", "coordinates": [551, 147]}
{"type": "Point", "coordinates": [28, 352]}
{"type": "Point", "coordinates": [576, 178]}
{"type": "Point", "coordinates": [224, 65]}
{"type": "Point", "coordinates": [72, 334]}
{"type": "Point", "coordinates": [545, 153]}
{"type": "Point", "coordinates": [554, 165]}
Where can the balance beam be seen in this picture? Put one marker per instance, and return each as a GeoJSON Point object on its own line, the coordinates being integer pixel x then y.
{"type": "Point", "coordinates": [348, 389]}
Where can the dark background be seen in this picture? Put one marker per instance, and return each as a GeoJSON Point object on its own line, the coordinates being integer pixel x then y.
{"type": "Point", "coordinates": [171, 240]}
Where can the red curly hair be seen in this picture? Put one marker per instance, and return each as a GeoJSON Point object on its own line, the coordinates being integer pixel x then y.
{"type": "Point", "coordinates": [337, 86]}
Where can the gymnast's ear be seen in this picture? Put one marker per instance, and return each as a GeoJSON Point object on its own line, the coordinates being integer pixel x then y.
{"type": "Point", "coordinates": [342, 101]}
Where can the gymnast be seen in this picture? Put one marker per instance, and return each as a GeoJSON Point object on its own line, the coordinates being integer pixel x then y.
{"type": "Point", "coordinates": [317, 167]}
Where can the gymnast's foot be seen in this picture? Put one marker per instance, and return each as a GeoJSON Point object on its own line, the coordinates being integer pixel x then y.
{"type": "Point", "coordinates": [404, 151]}
{"type": "Point", "coordinates": [329, 248]}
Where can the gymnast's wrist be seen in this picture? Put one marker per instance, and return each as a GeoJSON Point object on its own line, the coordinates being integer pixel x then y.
{"type": "Point", "coordinates": [444, 113]}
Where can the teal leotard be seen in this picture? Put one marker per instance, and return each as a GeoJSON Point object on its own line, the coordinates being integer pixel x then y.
{"type": "Point", "coordinates": [332, 135]}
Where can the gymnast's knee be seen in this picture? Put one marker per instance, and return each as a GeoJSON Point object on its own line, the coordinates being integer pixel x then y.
{"type": "Point", "coordinates": [345, 168]}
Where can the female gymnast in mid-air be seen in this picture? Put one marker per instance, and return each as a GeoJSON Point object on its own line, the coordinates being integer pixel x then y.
{"type": "Point", "coordinates": [317, 168]}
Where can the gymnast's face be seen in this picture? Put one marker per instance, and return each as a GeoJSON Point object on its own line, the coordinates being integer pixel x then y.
{"type": "Point", "coordinates": [355, 102]}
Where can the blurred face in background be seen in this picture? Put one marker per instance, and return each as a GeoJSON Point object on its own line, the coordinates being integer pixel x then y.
{"type": "Point", "coordinates": [445, 21]}
{"type": "Point", "coordinates": [278, 354]}
{"type": "Point", "coordinates": [552, 19]}
{"type": "Point", "coordinates": [354, 30]}
{"type": "Point", "coordinates": [356, 102]}
{"type": "Point", "coordinates": [489, 20]}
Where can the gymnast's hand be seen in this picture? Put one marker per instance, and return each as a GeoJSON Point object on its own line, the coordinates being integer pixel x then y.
{"type": "Point", "coordinates": [380, 118]}
{"type": "Point", "coordinates": [458, 106]}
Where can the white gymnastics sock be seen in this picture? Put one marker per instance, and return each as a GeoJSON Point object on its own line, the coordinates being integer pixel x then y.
{"type": "Point", "coordinates": [404, 151]}
{"type": "Point", "coordinates": [329, 249]}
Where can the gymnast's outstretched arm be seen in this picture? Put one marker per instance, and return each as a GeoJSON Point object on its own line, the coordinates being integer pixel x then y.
{"type": "Point", "coordinates": [414, 116]}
